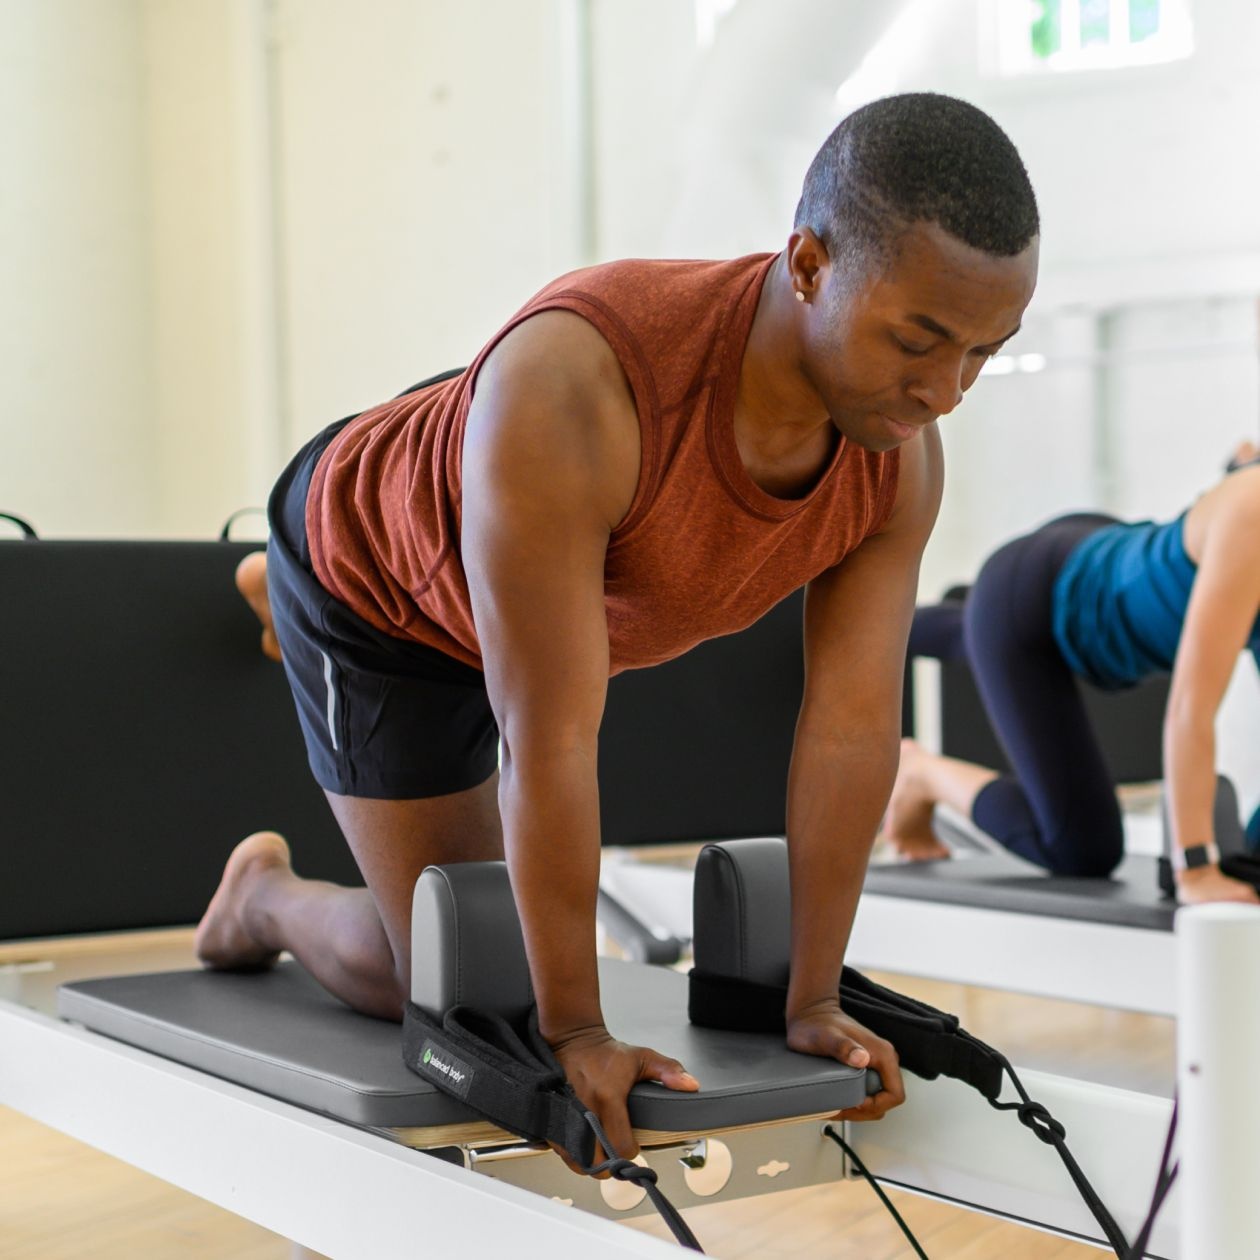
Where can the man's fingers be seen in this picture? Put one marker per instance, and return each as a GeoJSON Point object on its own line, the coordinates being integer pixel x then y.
{"type": "Point", "coordinates": [569, 1163]}
{"type": "Point", "coordinates": [872, 1108]}
{"type": "Point", "coordinates": [884, 1061]}
{"type": "Point", "coordinates": [615, 1120]}
{"type": "Point", "coordinates": [669, 1072]}
{"type": "Point", "coordinates": [853, 1054]}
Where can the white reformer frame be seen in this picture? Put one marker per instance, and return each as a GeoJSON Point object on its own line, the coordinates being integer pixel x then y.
{"type": "Point", "coordinates": [1102, 964]}
{"type": "Point", "coordinates": [348, 1193]}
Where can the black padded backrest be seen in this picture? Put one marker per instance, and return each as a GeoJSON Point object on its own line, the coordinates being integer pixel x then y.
{"type": "Point", "coordinates": [467, 948]}
{"type": "Point", "coordinates": [743, 910]}
{"type": "Point", "coordinates": [142, 733]}
{"type": "Point", "coordinates": [698, 748]}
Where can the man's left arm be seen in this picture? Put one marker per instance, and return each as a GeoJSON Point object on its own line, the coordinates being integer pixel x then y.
{"type": "Point", "coordinates": [844, 760]}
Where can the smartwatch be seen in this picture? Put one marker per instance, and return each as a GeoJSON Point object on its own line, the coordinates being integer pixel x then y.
{"type": "Point", "coordinates": [1193, 856]}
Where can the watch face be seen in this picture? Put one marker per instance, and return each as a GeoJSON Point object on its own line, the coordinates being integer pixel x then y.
{"type": "Point", "coordinates": [1197, 855]}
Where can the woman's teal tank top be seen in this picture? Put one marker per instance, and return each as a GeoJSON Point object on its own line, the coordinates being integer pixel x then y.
{"type": "Point", "coordinates": [1120, 601]}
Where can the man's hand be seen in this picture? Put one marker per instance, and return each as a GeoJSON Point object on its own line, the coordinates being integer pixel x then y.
{"type": "Point", "coordinates": [825, 1030]}
{"type": "Point", "coordinates": [603, 1070]}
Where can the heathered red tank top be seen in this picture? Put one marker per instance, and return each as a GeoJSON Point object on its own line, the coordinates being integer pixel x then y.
{"type": "Point", "coordinates": [703, 550]}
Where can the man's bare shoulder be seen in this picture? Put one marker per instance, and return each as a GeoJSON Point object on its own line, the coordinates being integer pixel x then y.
{"type": "Point", "coordinates": [554, 385]}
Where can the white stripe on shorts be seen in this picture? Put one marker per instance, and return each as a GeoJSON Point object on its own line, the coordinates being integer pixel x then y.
{"type": "Point", "coordinates": [332, 700]}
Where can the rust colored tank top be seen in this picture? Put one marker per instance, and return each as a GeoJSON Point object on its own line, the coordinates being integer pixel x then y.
{"type": "Point", "coordinates": [703, 550]}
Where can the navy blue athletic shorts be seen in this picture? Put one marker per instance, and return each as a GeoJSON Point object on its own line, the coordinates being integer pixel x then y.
{"type": "Point", "coordinates": [382, 717]}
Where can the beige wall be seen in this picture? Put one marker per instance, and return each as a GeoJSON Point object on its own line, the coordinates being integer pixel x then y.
{"type": "Point", "coordinates": [231, 221]}
{"type": "Point", "coordinates": [76, 389]}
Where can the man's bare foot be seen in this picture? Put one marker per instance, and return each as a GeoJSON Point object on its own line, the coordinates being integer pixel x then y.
{"type": "Point", "coordinates": [223, 940]}
{"type": "Point", "coordinates": [908, 823]}
{"type": "Point", "coordinates": [251, 581]}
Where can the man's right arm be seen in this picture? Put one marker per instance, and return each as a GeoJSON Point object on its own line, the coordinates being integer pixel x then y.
{"type": "Point", "coordinates": [550, 466]}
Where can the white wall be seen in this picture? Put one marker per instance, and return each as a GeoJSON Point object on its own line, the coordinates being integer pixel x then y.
{"type": "Point", "coordinates": [1148, 182]}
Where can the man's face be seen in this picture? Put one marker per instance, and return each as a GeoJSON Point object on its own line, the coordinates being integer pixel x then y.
{"type": "Point", "coordinates": [895, 350]}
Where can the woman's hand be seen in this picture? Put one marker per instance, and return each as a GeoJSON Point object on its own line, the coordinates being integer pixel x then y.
{"type": "Point", "coordinates": [824, 1030]}
{"type": "Point", "coordinates": [603, 1070]}
{"type": "Point", "coordinates": [1210, 883]}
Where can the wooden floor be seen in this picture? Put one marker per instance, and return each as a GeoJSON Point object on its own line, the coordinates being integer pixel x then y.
{"type": "Point", "coordinates": [60, 1200]}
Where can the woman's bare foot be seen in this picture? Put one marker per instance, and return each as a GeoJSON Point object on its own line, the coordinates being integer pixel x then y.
{"type": "Point", "coordinates": [223, 940]}
{"type": "Point", "coordinates": [251, 581]}
{"type": "Point", "coordinates": [908, 823]}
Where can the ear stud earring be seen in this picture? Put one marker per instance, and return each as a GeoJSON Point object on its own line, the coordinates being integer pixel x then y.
{"type": "Point", "coordinates": [800, 297]}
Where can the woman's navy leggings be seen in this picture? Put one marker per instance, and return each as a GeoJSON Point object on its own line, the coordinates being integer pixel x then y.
{"type": "Point", "coordinates": [1059, 808]}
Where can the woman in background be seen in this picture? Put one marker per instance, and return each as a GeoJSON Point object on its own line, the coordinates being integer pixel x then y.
{"type": "Point", "coordinates": [1087, 596]}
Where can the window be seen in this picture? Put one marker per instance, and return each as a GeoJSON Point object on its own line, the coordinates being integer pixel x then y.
{"type": "Point", "coordinates": [1040, 36]}
{"type": "Point", "coordinates": [709, 15]}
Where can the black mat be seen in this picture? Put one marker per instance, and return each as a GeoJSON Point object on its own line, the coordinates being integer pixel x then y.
{"type": "Point", "coordinates": [1130, 898]}
{"type": "Point", "coordinates": [281, 1034]}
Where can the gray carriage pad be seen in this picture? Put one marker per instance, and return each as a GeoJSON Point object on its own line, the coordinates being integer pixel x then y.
{"type": "Point", "coordinates": [278, 1032]}
{"type": "Point", "coordinates": [1130, 898]}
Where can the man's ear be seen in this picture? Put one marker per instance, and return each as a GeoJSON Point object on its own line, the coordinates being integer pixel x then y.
{"type": "Point", "coordinates": [806, 257]}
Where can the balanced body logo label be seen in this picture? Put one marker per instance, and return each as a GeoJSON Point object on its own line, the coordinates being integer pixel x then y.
{"type": "Point", "coordinates": [450, 1071]}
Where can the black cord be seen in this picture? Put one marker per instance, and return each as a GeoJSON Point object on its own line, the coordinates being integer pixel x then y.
{"type": "Point", "coordinates": [628, 1170]}
{"type": "Point", "coordinates": [1034, 1116]}
{"type": "Point", "coordinates": [225, 534]}
{"type": "Point", "coordinates": [1163, 1183]}
{"type": "Point", "coordinates": [879, 1190]}
{"type": "Point", "coordinates": [28, 530]}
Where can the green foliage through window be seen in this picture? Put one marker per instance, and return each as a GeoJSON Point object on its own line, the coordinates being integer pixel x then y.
{"type": "Point", "coordinates": [1046, 31]}
{"type": "Point", "coordinates": [1089, 23]}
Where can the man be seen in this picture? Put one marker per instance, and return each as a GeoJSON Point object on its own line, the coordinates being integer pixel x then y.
{"type": "Point", "coordinates": [655, 453]}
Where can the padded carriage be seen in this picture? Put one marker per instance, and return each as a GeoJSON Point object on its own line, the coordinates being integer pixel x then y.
{"type": "Point", "coordinates": [279, 1033]}
{"type": "Point", "coordinates": [998, 881]}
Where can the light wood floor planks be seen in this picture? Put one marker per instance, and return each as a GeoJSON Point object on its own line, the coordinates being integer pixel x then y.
{"type": "Point", "coordinates": [61, 1200]}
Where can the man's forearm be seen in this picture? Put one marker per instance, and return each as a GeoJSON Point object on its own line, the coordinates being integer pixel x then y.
{"type": "Point", "coordinates": [550, 807]}
{"type": "Point", "coordinates": [837, 793]}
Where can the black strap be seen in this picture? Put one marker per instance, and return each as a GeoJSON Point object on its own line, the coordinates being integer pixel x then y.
{"type": "Point", "coordinates": [929, 1043]}
{"type": "Point", "coordinates": [28, 530]}
{"type": "Point", "coordinates": [1243, 866]}
{"type": "Point", "coordinates": [512, 1079]}
{"type": "Point", "coordinates": [510, 1075]}
{"type": "Point", "coordinates": [431, 380]}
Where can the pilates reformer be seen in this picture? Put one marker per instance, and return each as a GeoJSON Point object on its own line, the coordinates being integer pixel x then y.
{"type": "Point", "coordinates": [257, 1079]}
{"type": "Point", "coordinates": [290, 1166]}
{"type": "Point", "coordinates": [762, 1113]}
{"type": "Point", "coordinates": [1107, 942]}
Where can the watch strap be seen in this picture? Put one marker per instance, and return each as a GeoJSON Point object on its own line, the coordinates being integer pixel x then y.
{"type": "Point", "coordinates": [1194, 856]}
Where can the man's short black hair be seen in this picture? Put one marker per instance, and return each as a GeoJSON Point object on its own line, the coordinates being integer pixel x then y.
{"type": "Point", "coordinates": [917, 158]}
